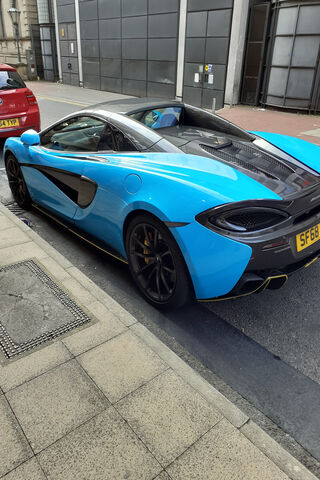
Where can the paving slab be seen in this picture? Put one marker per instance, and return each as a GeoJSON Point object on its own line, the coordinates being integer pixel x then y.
{"type": "Point", "coordinates": [268, 446]}
{"type": "Point", "coordinates": [5, 223]}
{"type": "Point", "coordinates": [51, 252]}
{"type": "Point", "coordinates": [105, 448]}
{"type": "Point", "coordinates": [54, 403]}
{"type": "Point", "coordinates": [29, 470]}
{"type": "Point", "coordinates": [313, 133]}
{"type": "Point", "coordinates": [23, 369]}
{"type": "Point", "coordinates": [227, 408]}
{"type": "Point", "coordinates": [14, 448]}
{"type": "Point", "coordinates": [18, 253]}
{"type": "Point", "coordinates": [126, 318]}
{"type": "Point", "coordinates": [54, 269]}
{"type": "Point", "coordinates": [224, 453]}
{"type": "Point", "coordinates": [12, 236]}
{"type": "Point", "coordinates": [168, 415]}
{"type": "Point", "coordinates": [78, 292]}
{"type": "Point", "coordinates": [163, 476]}
{"type": "Point", "coordinates": [107, 327]}
{"type": "Point", "coordinates": [17, 221]}
{"type": "Point", "coordinates": [121, 365]}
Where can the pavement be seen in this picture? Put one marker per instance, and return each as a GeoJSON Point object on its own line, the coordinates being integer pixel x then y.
{"type": "Point", "coordinates": [106, 399]}
{"type": "Point", "coordinates": [301, 125]}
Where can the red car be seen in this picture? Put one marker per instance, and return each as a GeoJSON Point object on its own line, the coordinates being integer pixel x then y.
{"type": "Point", "coordinates": [19, 109]}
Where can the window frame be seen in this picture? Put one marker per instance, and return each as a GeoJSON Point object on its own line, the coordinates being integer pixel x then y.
{"type": "Point", "coordinates": [89, 153]}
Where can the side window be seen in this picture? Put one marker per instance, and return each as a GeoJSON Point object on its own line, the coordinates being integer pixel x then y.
{"type": "Point", "coordinates": [82, 134]}
{"type": "Point", "coordinates": [122, 143]}
{"type": "Point", "coordinates": [113, 139]}
{"type": "Point", "coordinates": [106, 139]}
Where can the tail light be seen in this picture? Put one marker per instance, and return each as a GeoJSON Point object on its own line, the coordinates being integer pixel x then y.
{"type": "Point", "coordinates": [31, 98]}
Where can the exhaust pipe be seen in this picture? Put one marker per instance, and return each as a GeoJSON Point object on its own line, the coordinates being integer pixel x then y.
{"type": "Point", "coordinates": [276, 282]}
{"type": "Point", "coordinates": [252, 283]}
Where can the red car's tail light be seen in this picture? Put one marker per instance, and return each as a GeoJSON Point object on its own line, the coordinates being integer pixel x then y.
{"type": "Point", "coordinates": [31, 98]}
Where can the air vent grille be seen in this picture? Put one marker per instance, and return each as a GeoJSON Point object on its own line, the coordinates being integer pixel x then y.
{"type": "Point", "coordinates": [233, 159]}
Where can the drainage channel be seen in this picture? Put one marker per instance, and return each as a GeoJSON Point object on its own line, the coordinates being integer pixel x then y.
{"type": "Point", "coordinates": [15, 208]}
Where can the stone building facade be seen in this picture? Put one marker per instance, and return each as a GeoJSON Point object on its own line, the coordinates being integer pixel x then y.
{"type": "Point", "coordinates": [8, 43]}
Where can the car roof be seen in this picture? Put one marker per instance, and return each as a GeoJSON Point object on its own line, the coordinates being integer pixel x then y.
{"type": "Point", "coordinates": [4, 66]}
{"type": "Point", "coordinates": [131, 105]}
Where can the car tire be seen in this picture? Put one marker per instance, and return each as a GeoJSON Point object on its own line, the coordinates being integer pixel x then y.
{"type": "Point", "coordinates": [156, 263]}
{"type": "Point", "coordinates": [17, 183]}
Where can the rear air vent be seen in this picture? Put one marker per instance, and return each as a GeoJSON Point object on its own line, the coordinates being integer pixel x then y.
{"type": "Point", "coordinates": [263, 157]}
{"type": "Point", "coordinates": [257, 220]}
{"type": "Point", "coordinates": [249, 219]}
{"type": "Point", "coordinates": [232, 157]}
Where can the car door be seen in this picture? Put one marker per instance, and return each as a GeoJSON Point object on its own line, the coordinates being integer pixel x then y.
{"type": "Point", "coordinates": [54, 169]}
{"type": "Point", "coordinates": [102, 218]}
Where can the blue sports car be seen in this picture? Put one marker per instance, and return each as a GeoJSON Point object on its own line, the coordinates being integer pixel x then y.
{"type": "Point", "coordinates": [197, 207]}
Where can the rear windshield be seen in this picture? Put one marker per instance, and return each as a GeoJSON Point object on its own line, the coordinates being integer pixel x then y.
{"type": "Point", "coordinates": [159, 117]}
{"type": "Point", "coordinates": [10, 79]}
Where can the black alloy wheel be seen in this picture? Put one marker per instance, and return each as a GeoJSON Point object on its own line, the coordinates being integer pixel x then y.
{"type": "Point", "coordinates": [156, 263]}
{"type": "Point", "coordinates": [17, 183]}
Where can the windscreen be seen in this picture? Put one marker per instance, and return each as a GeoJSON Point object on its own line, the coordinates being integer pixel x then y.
{"type": "Point", "coordinates": [10, 79]}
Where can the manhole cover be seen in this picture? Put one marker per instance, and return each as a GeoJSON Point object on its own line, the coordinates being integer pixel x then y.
{"type": "Point", "coordinates": [34, 309]}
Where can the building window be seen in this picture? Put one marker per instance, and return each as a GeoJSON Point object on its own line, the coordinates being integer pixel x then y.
{"type": "Point", "coordinates": [43, 11]}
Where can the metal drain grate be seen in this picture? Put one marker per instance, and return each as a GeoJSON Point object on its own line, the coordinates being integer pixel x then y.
{"type": "Point", "coordinates": [71, 315]}
{"type": "Point", "coordinates": [14, 208]}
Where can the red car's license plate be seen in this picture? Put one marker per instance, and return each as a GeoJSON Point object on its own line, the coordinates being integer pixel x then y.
{"type": "Point", "coordinates": [10, 122]}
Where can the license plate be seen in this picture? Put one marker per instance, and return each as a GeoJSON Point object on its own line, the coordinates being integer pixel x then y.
{"type": "Point", "coordinates": [308, 237]}
{"type": "Point", "coordinates": [11, 122]}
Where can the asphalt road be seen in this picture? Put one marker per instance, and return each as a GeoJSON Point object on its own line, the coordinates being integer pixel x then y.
{"type": "Point", "coordinates": [262, 351]}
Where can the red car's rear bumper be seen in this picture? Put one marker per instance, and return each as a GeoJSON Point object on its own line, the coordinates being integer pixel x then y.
{"type": "Point", "coordinates": [27, 120]}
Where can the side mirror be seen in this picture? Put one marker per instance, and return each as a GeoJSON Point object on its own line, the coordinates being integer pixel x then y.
{"type": "Point", "coordinates": [30, 137]}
